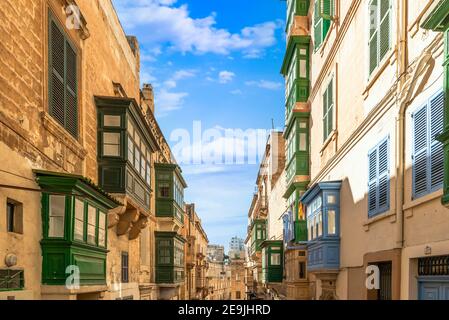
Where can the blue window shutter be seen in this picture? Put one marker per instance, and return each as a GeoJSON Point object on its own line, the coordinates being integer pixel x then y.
{"type": "Point", "coordinates": [383, 177]}
{"type": "Point", "coordinates": [372, 183]}
{"type": "Point", "coordinates": [420, 151]}
{"type": "Point", "coordinates": [436, 148]}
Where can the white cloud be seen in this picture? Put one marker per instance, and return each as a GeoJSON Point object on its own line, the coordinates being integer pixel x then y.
{"type": "Point", "coordinates": [264, 84]}
{"type": "Point", "coordinates": [225, 76]}
{"type": "Point", "coordinates": [168, 101]}
{"type": "Point", "coordinates": [173, 25]}
{"type": "Point", "coordinates": [236, 92]}
{"type": "Point", "coordinates": [183, 74]}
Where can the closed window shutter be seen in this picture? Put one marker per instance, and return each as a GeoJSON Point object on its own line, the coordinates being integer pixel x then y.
{"type": "Point", "coordinates": [383, 172]}
{"type": "Point", "coordinates": [57, 53]}
{"type": "Point", "coordinates": [325, 115]}
{"type": "Point", "coordinates": [420, 151]}
{"type": "Point", "coordinates": [385, 26]}
{"type": "Point", "coordinates": [318, 22]}
{"type": "Point", "coordinates": [374, 36]}
{"type": "Point", "coordinates": [330, 107]}
{"type": "Point", "coordinates": [372, 182]}
{"type": "Point", "coordinates": [436, 148]}
{"type": "Point", "coordinates": [71, 92]}
{"type": "Point", "coordinates": [63, 99]}
{"type": "Point", "coordinates": [327, 8]}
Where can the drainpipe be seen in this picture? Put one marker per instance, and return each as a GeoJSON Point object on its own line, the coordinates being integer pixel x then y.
{"type": "Point", "coordinates": [402, 70]}
{"type": "Point", "coordinates": [424, 62]}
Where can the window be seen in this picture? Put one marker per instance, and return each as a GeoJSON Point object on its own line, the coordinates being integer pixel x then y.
{"type": "Point", "coordinates": [328, 111]}
{"type": "Point", "coordinates": [164, 189]}
{"type": "Point", "coordinates": [148, 175]}
{"type": "Point", "coordinates": [379, 179]}
{"type": "Point", "coordinates": [78, 233]}
{"type": "Point", "coordinates": [112, 120]}
{"type": "Point", "coordinates": [125, 267]}
{"type": "Point", "coordinates": [428, 155]}
{"type": "Point", "coordinates": [14, 216]}
{"type": "Point", "coordinates": [379, 32]}
{"type": "Point", "coordinates": [63, 94]}
{"type": "Point", "coordinates": [91, 225]}
{"type": "Point", "coordinates": [130, 150]}
{"type": "Point", "coordinates": [164, 252]}
{"type": "Point", "coordinates": [302, 270]}
{"type": "Point", "coordinates": [313, 211]}
{"type": "Point", "coordinates": [331, 229]}
{"type": "Point", "coordinates": [323, 8]}
{"type": "Point", "coordinates": [11, 280]}
{"type": "Point", "coordinates": [111, 144]}
{"type": "Point", "coordinates": [238, 295]}
{"type": "Point", "coordinates": [102, 229]}
{"type": "Point", "coordinates": [56, 216]}
{"type": "Point", "coordinates": [275, 259]}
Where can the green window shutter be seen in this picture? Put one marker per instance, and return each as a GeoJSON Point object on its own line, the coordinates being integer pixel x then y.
{"type": "Point", "coordinates": [420, 152]}
{"type": "Point", "coordinates": [374, 36]}
{"type": "Point", "coordinates": [318, 25]}
{"type": "Point", "coordinates": [327, 9]}
{"type": "Point", "coordinates": [71, 91]}
{"type": "Point", "coordinates": [328, 110]}
{"type": "Point", "coordinates": [63, 96]}
{"type": "Point", "coordinates": [385, 28]}
{"type": "Point", "coordinates": [325, 116]}
{"type": "Point", "coordinates": [56, 57]}
{"type": "Point", "coordinates": [436, 148]}
{"type": "Point", "coordinates": [330, 106]}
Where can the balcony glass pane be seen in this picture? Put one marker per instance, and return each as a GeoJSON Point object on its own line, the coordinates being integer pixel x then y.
{"type": "Point", "coordinates": [79, 220]}
{"type": "Point", "coordinates": [56, 216]}
{"type": "Point", "coordinates": [91, 225]}
{"type": "Point", "coordinates": [331, 230]}
{"type": "Point", "coordinates": [111, 144]}
{"type": "Point", "coordinates": [111, 121]}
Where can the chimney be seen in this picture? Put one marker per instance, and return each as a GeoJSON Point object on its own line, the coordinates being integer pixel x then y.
{"type": "Point", "coordinates": [148, 96]}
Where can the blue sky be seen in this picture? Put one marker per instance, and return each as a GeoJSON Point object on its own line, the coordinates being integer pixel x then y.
{"type": "Point", "coordinates": [216, 62]}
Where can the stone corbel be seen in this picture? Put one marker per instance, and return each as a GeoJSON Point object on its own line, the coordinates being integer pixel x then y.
{"type": "Point", "coordinates": [137, 227]}
{"type": "Point", "coordinates": [126, 220]}
{"type": "Point", "coordinates": [114, 216]}
{"type": "Point", "coordinates": [75, 18]}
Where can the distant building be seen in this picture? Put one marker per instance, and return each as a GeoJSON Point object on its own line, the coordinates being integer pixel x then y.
{"type": "Point", "coordinates": [215, 252]}
{"type": "Point", "coordinates": [236, 248]}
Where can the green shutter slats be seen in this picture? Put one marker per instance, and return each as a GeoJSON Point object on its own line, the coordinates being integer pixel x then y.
{"type": "Point", "coordinates": [385, 32]}
{"type": "Point", "coordinates": [328, 110]}
{"type": "Point", "coordinates": [380, 32]}
{"type": "Point", "coordinates": [57, 52]}
{"type": "Point", "coordinates": [436, 148]}
{"type": "Point", "coordinates": [428, 154]}
{"type": "Point", "coordinates": [318, 23]}
{"type": "Point", "coordinates": [63, 101]}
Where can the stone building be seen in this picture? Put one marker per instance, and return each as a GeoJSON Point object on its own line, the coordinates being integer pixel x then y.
{"type": "Point", "coordinates": [238, 287]}
{"type": "Point", "coordinates": [218, 280]}
{"type": "Point", "coordinates": [265, 227]}
{"type": "Point", "coordinates": [366, 88]}
{"type": "Point", "coordinates": [92, 195]}
{"type": "Point", "coordinates": [196, 261]}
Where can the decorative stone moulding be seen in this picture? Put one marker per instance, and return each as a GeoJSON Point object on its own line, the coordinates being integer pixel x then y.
{"type": "Point", "coordinates": [10, 260]}
{"type": "Point", "coordinates": [75, 18]}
